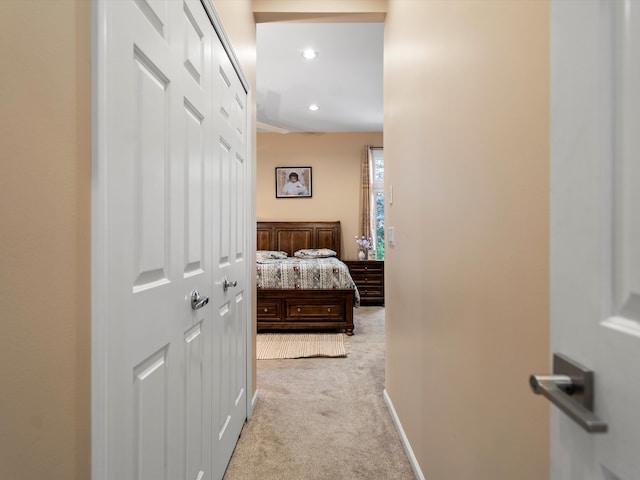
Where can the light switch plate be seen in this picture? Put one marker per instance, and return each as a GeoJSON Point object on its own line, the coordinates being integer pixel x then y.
{"type": "Point", "coordinates": [391, 236]}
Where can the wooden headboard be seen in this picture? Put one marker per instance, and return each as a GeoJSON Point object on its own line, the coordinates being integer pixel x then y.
{"type": "Point", "coordinates": [291, 236]}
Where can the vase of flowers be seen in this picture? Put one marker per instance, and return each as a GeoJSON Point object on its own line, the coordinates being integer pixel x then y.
{"type": "Point", "coordinates": [364, 245]}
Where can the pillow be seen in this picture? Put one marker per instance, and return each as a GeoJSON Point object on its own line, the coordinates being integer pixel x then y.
{"type": "Point", "coordinates": [270, 255]}
{"type": "Point", "coordinates": [315, 253]}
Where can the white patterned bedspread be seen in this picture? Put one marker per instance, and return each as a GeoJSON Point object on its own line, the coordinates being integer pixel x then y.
{"type": "Point", "coordinates": [309, 273]}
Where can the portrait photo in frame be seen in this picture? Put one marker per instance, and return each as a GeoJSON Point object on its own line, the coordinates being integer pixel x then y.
{"type": "Point", "coordinates": [293, 182]}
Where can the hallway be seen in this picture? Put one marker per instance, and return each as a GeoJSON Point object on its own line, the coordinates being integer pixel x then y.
{"type": "Point", "coordinates": [324, 418]}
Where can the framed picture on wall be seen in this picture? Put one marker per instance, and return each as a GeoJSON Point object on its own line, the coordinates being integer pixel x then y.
{"type": "Point", "coordinates": [293, 182]}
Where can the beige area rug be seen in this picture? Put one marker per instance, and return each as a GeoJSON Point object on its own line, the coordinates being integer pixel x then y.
{"type": "Point", "coordinates": [271, 346]}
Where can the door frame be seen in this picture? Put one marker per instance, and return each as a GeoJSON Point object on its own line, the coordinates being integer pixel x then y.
{"type": "Point", "coordinates": [99, 231]}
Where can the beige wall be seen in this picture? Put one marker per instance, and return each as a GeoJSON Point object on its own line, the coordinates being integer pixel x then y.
{"type": "Point", "coordinates": [45, 203]}
{"type": "Point", "coordinates": [45, 245]}
{"type": "Point", "coordinates": [335, 162]}
{"type": "Point", "coordinates": [466, 148]}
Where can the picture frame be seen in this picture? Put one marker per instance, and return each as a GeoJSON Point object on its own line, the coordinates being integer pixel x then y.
{"type": "Point", "coordinates": [293, 182]}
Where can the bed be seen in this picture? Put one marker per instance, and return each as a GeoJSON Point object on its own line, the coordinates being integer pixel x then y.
{"type": "Point", "coordinates": [309, 307]}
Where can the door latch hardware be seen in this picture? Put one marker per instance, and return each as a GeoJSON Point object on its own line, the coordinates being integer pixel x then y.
{"type": "Point", "coordinates": [197, 302]}
{"type": "Point", "coordinates": [570, 388]}
{"type": "Point", "coordinates": [226, 284]}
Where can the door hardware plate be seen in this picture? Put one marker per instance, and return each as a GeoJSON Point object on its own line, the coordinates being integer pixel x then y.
{"type": "Point", "coordinates": [581, 377]}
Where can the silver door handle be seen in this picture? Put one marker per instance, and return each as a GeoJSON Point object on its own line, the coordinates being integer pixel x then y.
{"type": "Point", "coordinates": [197, 302]}
{"type": "Point", "coordinates": [570, 388]}
{"type": "Point", "coordinates": [226, 284]}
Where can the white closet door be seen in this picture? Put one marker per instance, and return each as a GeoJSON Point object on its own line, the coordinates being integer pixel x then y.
{"type": "Point", "coordinates": [172, 398]}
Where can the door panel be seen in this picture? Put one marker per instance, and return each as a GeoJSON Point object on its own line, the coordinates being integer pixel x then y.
{"type": "Point", "coordinates": [229, 328]}
{"type": "Point", "coordinates": [195, 433]}
{"type": "Point", "coordinates": [595, 231]}
{"type": "Point", "coordinates": [195, 199]}
{"type": "Point", "coordinates": [142, 323]}
{"type": "Point", "coordinates": [151, 417]}
{"type": "Point", "coordinates": [194, 45]}
{"type": "Point", "coordinates": [163, 205]}
{"type": "Point", "coordinates": [156, 13]}
{"type": "Point", "coordinates": [150, 118]}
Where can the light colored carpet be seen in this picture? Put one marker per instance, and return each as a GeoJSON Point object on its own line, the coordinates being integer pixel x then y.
{"type": "Point", "coordinates": [272, 346]}
{"type": "Point", "coordinates": [324, 418]}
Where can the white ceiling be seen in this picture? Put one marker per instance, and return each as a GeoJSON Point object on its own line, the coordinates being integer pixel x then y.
{"type": "Point", "coordinates": [345, 80]}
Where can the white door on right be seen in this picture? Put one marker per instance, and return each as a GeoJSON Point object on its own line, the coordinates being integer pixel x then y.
{"type": "Point", "coordinates": [595, 229]}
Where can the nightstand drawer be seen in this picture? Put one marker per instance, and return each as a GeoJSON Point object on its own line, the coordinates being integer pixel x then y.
{"type": "Point", "coordinates": [366, 267]}
{"type": "Point", "coordinates": [372, 291]}
{"type": "Point", "coordinates": [368, 278]}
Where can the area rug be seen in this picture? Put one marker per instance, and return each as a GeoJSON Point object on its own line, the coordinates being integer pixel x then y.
{"type": "Point", "coordinates": [272, 346]}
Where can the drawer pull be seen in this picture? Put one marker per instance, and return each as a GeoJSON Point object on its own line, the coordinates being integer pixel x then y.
{"type": "Point", "coordinates": [329, 309]}
{"type": "Point", "coordinates": [299, 309]}
{"type": "Point", "coordinates": [266, 309]}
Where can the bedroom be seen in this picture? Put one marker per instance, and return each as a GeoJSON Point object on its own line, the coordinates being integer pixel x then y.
{"type": "Point", "coordinates": [345, 83]}
{"type": "Point", "coordinates": [325, 147]}
{"type": "Point", "coordinates": [326, 154]}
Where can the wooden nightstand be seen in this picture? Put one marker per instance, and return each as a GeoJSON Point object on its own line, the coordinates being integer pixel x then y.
{"type": "Point", "coordinates": [369, 278]}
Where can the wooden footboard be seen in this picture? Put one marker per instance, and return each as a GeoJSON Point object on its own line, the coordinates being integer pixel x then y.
{"type": "Point", "coordinates": [281, 310]}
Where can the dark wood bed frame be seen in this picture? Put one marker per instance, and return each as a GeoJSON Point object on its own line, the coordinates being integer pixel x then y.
{"type": "Point", "coordinates": [284, 310]}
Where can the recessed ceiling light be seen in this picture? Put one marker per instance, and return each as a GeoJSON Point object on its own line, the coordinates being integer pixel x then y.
{"type": "Point", "coordinates": [309, 53]}
{"type": "Point", "coordinates": [313, 107]}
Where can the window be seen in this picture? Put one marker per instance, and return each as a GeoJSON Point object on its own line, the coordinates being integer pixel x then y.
{"type": "Point", "coordinates": [377, 200]}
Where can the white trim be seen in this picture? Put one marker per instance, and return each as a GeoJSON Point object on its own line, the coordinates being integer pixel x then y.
{"type": "Point", "coordinates": [250, 247]}
{"type": "Point", "coordinates": [226, 43]}
{"type": "Point", "coordinates": [99, 264]}
{"type": "Point", "coordinates": [271, 128]}
{"type": "Point", "coordinates": [403, 437]}
{"type": "Point", "coordinates": [254, 401]}
{"type": "Point", "coordinates": [623, 325]}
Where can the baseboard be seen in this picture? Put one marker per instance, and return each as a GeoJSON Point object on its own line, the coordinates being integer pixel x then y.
{"type": "Point", "coordinates": [403, 437]}
{"type": "Point", "coordinates": [252, 406]}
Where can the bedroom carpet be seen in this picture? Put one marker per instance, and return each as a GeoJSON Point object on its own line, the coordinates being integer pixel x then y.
{"type": "Point", "coordinates": [324, 418]}
{"type": "Point", "coordinates": [273, 346]}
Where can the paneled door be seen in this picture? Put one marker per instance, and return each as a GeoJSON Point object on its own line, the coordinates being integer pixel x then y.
{"type": "Point", "coordinates": [170, 335]}
{"type": "Point", "coordinates": [230, 308]}
{"type": "Point", "coordinates": [595, 231]}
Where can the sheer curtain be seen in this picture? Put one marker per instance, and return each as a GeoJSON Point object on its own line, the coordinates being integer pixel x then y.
{"type": "Point", "coordinates": [366, 180]}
